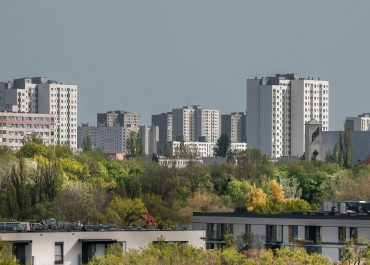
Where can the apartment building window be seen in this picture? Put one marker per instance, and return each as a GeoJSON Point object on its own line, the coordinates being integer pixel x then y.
{"type": "Point", "coordinates": [59, 256]}
{"type": "Point", "coordinates": [271, 233]}
{"type": "Point", "coordinates": [312, 233]}
{"type": "Point", "coordinates": [353, 233]}
{"type": "Point", "coordinates": [341, 234]}
{"type": "Point", "coordinates": [292, 232]}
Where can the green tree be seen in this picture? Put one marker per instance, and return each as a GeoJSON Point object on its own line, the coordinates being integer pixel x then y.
{"type": "Point", "coordinates": [6, 254]}
{"type": "Point", "coordinates": [126, 212]}
{"type": "Point", "coordinates": [86, 144]}
{"type": "Point", "coordinates": [347, 157]}
{"type": "Point", "coordinates": [222, 146]}
{"type": "Point", "coordinates": [237, 190]}
{"type": "Point", "coordinates": [134, 145]}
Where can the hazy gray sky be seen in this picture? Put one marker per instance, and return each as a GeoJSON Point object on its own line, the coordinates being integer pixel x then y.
{"type": "Point", "coordinates": [150, 56]}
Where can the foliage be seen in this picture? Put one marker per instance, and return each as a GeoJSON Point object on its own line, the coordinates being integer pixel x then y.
{"type": "Point", "coordinates": [86, 144]}
{"type": "Point", "coordinates": [134, 145]}
{"type": "Point", "coordinates": [222, 146]}
{"type": "Point", "coordinates": [126, 212]}
{"type": "Point", "coordinates": [256, 199]}
{"type": "Point", "coordinates": [237, 190]}
{"type": "Point", "coordinates": [6, 254]}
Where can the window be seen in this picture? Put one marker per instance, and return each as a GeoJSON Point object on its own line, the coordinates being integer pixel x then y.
{"type": "Point", "coordinates": [353, 233]}
{"type": "Point", "coordinates": [293, 232]}
{"type": "Point", "coordinates": [341, 234]}
{"type": "Point", "coordinates": [59, 253]}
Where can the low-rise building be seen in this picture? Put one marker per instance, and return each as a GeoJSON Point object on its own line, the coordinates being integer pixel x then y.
{"type": "Point", "coordinates": [77, 248]}
{"type": "Point", "coordinates": [204, 149]}
{"type": "Point", "coordinates": [15, 128]}
{"type": "Point", "coordinates": [318, 232]}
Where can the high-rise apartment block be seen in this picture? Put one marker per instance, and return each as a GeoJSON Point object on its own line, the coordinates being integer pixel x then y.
{"type": "Point", "coordinates": [164, 123]}
{"type": "Point", "coordinates": [234, 125]}
{"type": "Point", "coordinates": [193, 123]}
{"type": "Point", "coordinates": [149, 136]}
{"type": "Point", "coordinates": [118, 118]}
{"type": "Point", "coordinates": [44, 96]}
{"type": "Point", "coordinates": [279, 107]}
{"type": "Point", "coordinates": [360, 123]}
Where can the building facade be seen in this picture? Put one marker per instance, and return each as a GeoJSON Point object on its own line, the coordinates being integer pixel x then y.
{"type": "Point", "coordinates": [234, 125]}
{"type": "Point", "coordinates": [118, 118]}
{"type": "Point", "coordinates": [360, 123]}
{"type": "Point", "coordinates": [16, 128]}
{"type": "Point", "coordinates": [164, 123]}
{"type": "Point", "coordinates": [109, 140]}
{"type": "Point", "coordinates": [78, 248]}
{"type": "Point", "coordinates": [278, 108]}
{"type": "Point", "coordinates": [203, 149]}
{"type": "Point", "coordinates": [193, 123]}
{"type": "Point", "coordinates": [44, 96]}
{"type": "Point", "coordinates": [325, 233]}
{"type": "Point", "coordinates": [149, 136]}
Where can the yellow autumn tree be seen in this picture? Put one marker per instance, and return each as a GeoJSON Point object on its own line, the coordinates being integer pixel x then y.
{"type": "Point", "coordinates": [275, 197]}
{"type": "Point", "coordinates": [255, 199]}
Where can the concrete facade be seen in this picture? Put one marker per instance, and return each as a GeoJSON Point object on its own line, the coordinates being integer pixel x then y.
{"type": "Point", "coordinates": [76, 248]}
{"type": "Point", "coordinates": [278, 108]}
{"type": "Point", "coordinates": [193, 123]}
{"type": "Point", "coordinates": [325, 234]}
{"type": "Point", "coordinates": [164, 123]}
{"type": "Point", "coordinates": [234, 125]}
{"type": "Point", "coordinates": [15, 128]}
{"type": "Point", "coordinates": [149, 136]}
{"type": "Point", "coordinates": [44, 96]}
{"type": "Point", "coordinates": [118, 118]}
{"type": "Point", "coordinates": [360, 123]}
{"type": "Point", "coordinates": [205, 149]}
{"type": "Point", "coordinates": [110, 140]}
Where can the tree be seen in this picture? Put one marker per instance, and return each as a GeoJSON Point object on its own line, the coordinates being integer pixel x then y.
{"type": "Point", "coordinates": [347, 157]}
{"type": "Point", "coordinates": [6, 254]}
{"type": "Point", "coordinates": [86, 144]}
{"type": "Point", "coordinates": [134, 146]}
{"type": "Point", "coordinates": [275, 196]}
{"type": "Point", "coordinates": [222, 146]}
{"type": "Point", "coordinates": [255, 199]}
{"type": "Point", "coordinates": [126, 212]}
{"type": "Point", "coordinates": [237, 189]}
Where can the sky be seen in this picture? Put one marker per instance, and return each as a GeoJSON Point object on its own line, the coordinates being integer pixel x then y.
{"type": "Point", "coordinates": [149, 56]}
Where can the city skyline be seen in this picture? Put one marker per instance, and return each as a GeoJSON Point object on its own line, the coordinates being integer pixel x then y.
{"type": "Point", "coordinates": [151, 51]}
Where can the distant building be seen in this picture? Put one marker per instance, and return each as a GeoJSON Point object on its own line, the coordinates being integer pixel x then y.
{"type": "Point", "coordinates": [278, 108]}
{"type": "Point", "coordinates": [118, 118]}
{"type": "Point", "coordinates": [109, 140]}
{"type": "Point", "coordinates": [360, 123]}
{"type": "Point", "coordinates": [234, 125]}
{"type": "Point", "coordinates": [44, 96]}
{"type": "Point", "coordinates": [320, 144]}
{"type": "Point", "coordinates": [16, 128]}
{"type": "Point", "coordinates": [193, 123]}
{"type": "Point", "coordinates": [149, 136]}
{"type": "Point", "coordinates": [164, 123]}
{"type": "Point", "coordinates": [203, 149]}
{"type": "Point", "coordinates": [179, 162]}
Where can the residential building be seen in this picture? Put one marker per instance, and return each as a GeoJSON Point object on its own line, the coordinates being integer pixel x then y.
{"type": "Point", "coordinates": [193, 123]}
{"type": "Point", "coordinates": [109, 140]}
{"type": "Point", "coordinates": [278, 108]}
{"type": "Point", "coordinates": [149, 136]}
{"type": "Point", "coordinates": [164, 123]}
{"type": "Point", "coordinates": [77, 247]}
{"type": "Point", "coordinates": [41, 95]}
{"type": "Point", "coordinates": [318, 232]}
{"type": "Point", "coordinates": [118, 118]}
{"type": "Point", "coordinates": [360, 123]}
{"type": "Point", "coordinates": [179, 162]}
{"type": "Point", "coordinates": [320, 144]}
{"type": "Point", "coordinates": [203, 149]}
{"type": "Point", "coordinates": [234, 125]}
{"type": "Point", "coordinates": [15, 128]}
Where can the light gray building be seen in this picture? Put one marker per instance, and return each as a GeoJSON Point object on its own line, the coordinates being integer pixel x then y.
{"type": "Point", "coordinates": [359, 123]}
{"type": "Point", "coordinates": [149, 136]}
{"type": "Point", "coordinates": [109, 140]}
{"type": "Point", "coordinates": [118, 118]}
{"type": "Point", "coordinates": [44, 96]}
{"type": "Point", "coordinates": [193, 123]}
{"type": "Point", "coordinates": [234, 125]}
{"type": "Point", "coordinates": [278, 108]}
{"type": "Point", "coordinates": [318, 232]}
